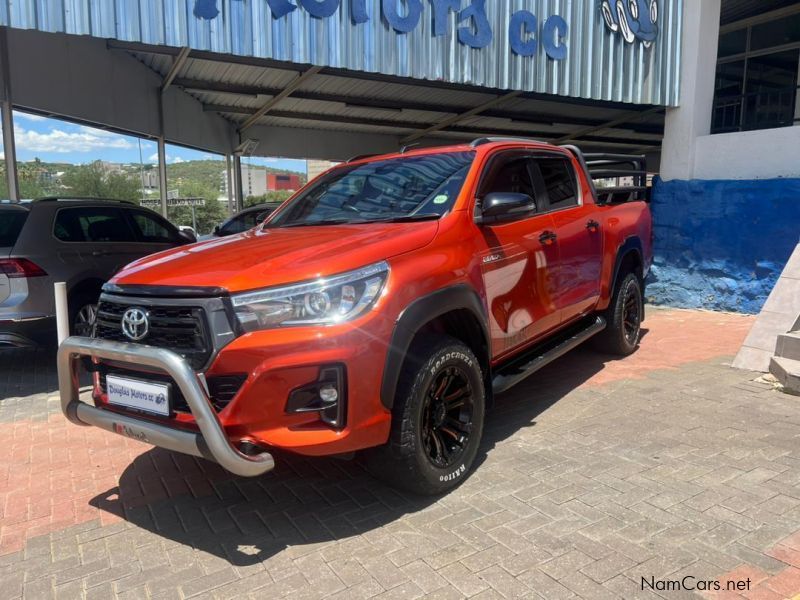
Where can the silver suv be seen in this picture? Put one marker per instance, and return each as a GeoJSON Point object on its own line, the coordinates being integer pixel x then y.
{"type": "Point", "coordinates": [81, 242]}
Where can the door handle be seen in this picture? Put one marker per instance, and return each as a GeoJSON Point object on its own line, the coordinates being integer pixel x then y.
{"type": "Point", "coordinates": [548, 238]}
{"type": "Point", "coordinates": [593, 226]}
{"type": "Point", "coordinates": [100, 253]}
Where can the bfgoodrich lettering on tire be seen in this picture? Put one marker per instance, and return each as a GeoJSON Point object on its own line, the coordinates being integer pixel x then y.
{"type": "Point", "coordinates": [437, 419]}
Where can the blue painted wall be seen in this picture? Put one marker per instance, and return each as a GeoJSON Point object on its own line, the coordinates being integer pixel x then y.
{"type": "Point", "coordinates": [722, 245]}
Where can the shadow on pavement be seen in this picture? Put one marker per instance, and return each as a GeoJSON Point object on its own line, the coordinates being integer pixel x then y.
{"type": "Point", "coordinates": [303, 501]}
{"type": "Point", "coordinates": [27, 371]}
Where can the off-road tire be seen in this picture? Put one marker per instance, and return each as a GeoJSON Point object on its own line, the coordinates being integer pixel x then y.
{"type": "Point", "coordinates": [404, 460]}
{"type": "Point", "coordinates": [616, 338]}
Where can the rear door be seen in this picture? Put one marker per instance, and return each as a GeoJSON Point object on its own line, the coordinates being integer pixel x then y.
{"type": "Point", "coordinates": [100, 235]}
{"type": "Point", "coordinates": [517, 261]}
{"type": "Point", "coordinates": [580, 237]}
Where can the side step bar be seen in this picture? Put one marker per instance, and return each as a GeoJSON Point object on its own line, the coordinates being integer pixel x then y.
{"type": "Point", "coordinates": [526, 365]}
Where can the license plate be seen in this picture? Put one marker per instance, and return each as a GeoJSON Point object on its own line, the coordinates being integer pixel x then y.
{"type": "Point", "coordinates": [141, 395]}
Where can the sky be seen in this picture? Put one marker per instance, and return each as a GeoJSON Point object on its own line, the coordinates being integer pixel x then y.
{"type": "Point", "coordinates": [52, 140]}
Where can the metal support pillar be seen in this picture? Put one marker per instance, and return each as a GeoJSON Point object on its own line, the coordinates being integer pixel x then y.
{"type": "Point", "coordinates": [229, 175]}
{"type": "Point", "coordinates": [7, 115]}
{"type": "Point", "coordinates": [237, 175]}
{"type": "Point", "coordinates": [162, 174]}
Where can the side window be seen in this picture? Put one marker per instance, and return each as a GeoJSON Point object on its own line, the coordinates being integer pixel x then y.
{"type": "Point", "coordinates": [92, 224]}
{"type": "Point", "coordinates": [236, 224]}
{"type": "Point", "coordinates": [559, 181]}
{"type": "Point", "coordinates": [509, 174]}
{"type": "Point", "coordinates": [251, 220]}
{"type": "Point", "coordinates": [152, 229]}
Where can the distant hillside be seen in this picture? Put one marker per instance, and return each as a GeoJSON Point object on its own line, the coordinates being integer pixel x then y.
{"type": "Point", "coordinates": [208, 172]}
{"type": "Point", "coordinates": [203, 173]}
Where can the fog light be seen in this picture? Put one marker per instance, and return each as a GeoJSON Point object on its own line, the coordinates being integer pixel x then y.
{"type": "Point", "coordinates": [328, 394]}
{"type": "Point", "coordinates": [325, 396]}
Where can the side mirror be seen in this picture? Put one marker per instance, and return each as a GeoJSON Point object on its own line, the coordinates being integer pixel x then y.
{"type": "Point", "coordinates": [500, 206]}
{"type": "Point", "coordinates": [216, 230]}
{"type": "Point", "coordinates": [188, 235]}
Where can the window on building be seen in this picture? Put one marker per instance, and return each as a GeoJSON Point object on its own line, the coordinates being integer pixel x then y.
{"type": "Point", "coordinates": [757, 76]}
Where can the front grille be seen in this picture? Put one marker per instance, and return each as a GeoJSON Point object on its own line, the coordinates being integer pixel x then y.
{"type": "Point", "coordinates": [221, 388]}
{"type": "Point", "coordinates": [181, 329]}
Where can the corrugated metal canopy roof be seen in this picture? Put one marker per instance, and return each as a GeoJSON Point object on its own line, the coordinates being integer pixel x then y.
{"type": "Point", "coordinates": [340, 100]}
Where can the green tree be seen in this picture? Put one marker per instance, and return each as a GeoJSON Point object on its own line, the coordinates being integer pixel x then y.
{"type": "Point", "coordinates": [273, 196]}
{"type": "Point", "coordinates": [93, 181]}
{"type": "Point", "coordinates": [209, 215]}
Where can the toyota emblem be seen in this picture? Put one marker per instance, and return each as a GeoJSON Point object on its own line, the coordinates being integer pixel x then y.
{"type": "Point", "coordinates": [135, 324]}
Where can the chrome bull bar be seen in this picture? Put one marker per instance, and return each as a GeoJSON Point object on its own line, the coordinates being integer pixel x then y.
{"type": "Point", "coordinates": [211, 442]}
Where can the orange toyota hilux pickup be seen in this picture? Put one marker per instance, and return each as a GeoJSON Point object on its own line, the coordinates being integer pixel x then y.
{"type": "Point", "coordinates": [379, 310]}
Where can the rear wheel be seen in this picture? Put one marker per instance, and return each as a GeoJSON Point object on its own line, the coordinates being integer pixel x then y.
{"type": "Point", "coordinates": [82, 314]}
{"type": "Point", "coordinates": [437, 419]}
{"type": "Point", "coordinates": [623, 317]}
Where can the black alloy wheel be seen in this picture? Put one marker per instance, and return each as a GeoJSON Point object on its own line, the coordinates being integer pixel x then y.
{"type": "Point", "coordinates": [437, 418]}
{"type": "Point", "coordinates": [632, 314]}
{"type": "Point", "coordinates": [447, 417]}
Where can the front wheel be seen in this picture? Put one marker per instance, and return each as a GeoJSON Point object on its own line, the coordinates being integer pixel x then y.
{"type": "Point", "coordinates": [623, 317]}
{"type": "Point", "coordinates": [83, 312]}
{"type": "Point", "coordinates": [437, 419]}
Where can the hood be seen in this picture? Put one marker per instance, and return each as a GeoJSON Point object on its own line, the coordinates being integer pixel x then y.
{"type": "Point", "coordinates": [269, 257]}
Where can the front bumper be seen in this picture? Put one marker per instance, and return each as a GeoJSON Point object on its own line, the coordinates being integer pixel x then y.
{"type": "Point", "coordinates": [210, 442]}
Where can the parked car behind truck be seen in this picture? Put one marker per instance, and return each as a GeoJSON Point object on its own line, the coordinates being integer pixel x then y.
{"type": "Point", "coordinates": [81, 242]}
{"type": "Point", "coordinates": [378, 310]}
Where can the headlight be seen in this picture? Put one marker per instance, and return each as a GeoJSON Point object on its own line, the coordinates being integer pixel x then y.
{"type": "Point", "coordinates": [324, 301]}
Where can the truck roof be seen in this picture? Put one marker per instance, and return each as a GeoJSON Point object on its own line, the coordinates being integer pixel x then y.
{"type": "Point", "coordinates": [486, 143]}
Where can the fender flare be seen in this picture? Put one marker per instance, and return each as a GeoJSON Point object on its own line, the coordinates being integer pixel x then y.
{"type": "Point", "coordinates": [631, 244]}
{"type": "Point", "coordinates": [414, 317]}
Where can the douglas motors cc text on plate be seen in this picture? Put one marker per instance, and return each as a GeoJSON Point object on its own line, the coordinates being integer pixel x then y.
{"type": "Point", "coordinates": [378, 310]}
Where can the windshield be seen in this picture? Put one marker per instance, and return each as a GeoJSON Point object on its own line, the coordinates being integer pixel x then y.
{"type": "Point", "coordinates": [399, 189]}
{"type": "Point", "coordinates": [11, 222]}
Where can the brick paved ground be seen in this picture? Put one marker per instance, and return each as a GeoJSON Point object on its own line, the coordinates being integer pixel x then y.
{"type": "Point", "coordinates": [595, 473]}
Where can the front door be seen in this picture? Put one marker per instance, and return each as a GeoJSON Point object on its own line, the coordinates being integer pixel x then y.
{"type": "Point", "coordinates": [517, 262]}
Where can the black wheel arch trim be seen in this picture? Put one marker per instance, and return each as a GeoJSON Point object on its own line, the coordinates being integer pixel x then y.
{"type": "Point", "coordinates": [416, 315]}
{"type": "Point", "coordinates": [631, 244]}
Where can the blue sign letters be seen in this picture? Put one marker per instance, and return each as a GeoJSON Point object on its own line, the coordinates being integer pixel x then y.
{"type": "Point", "coordinates": [482, 36]}
{"type": "Point", "coordinates": [402, 24]}
{"type": "Point", "coordinates": [320, 8]}
{"type": "Point", "coordinates": [358, 11]}
{"type": "Point", "coordinates": [523, 24]}
{"type": "Point", "coordinates": [554, 31]}
{"type": "Point", "coordinates": [441, 10]}
{"type": "Point", "coordinates": [475, 30]}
